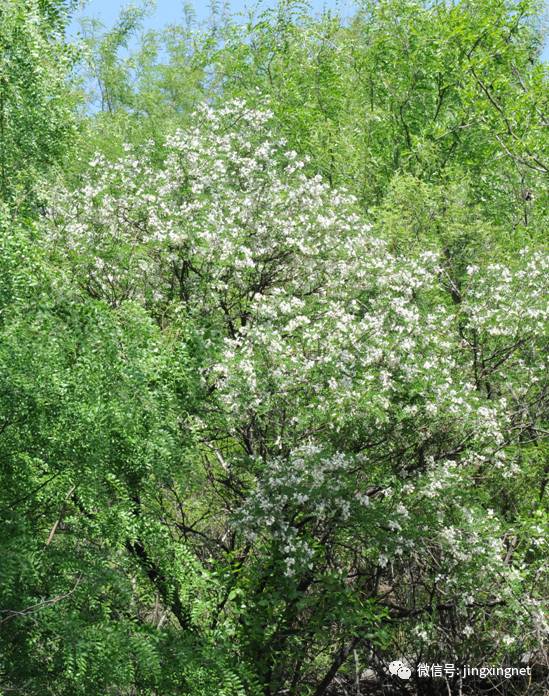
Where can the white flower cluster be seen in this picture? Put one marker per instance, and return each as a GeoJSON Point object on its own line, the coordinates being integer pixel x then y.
{"type": "Point", "coordinates": [309, 486]}
{"type": "Point", "coordinates": [501, 300]}
{"type": "Point", "coordinates": [228, 215]}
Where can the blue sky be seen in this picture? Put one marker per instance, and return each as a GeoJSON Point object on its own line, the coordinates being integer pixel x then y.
{"type": "Point", "coordinates": [172, 10]}
{"type": "Point", "coordinates": [167, 11]}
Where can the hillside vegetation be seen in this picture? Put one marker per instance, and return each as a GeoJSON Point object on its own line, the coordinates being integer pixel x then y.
{"type": "Point", "coordinates": [274, 351]}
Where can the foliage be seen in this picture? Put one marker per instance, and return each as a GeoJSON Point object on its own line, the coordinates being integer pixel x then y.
{"type": "Point", "coordinates": [36, 106]}
{"type": "Point", "coordinates": [273, 355]}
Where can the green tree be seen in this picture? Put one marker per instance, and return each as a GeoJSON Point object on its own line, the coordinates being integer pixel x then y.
{"type": "Point", "coordinates": [37, 114]}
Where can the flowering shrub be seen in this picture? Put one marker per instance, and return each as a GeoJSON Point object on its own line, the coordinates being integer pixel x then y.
{"type": "Point", "coordinates": [356, 419]}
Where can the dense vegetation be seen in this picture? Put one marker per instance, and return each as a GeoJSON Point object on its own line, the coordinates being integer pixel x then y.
{"type": "Point", "coordinates": [273, 351]}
